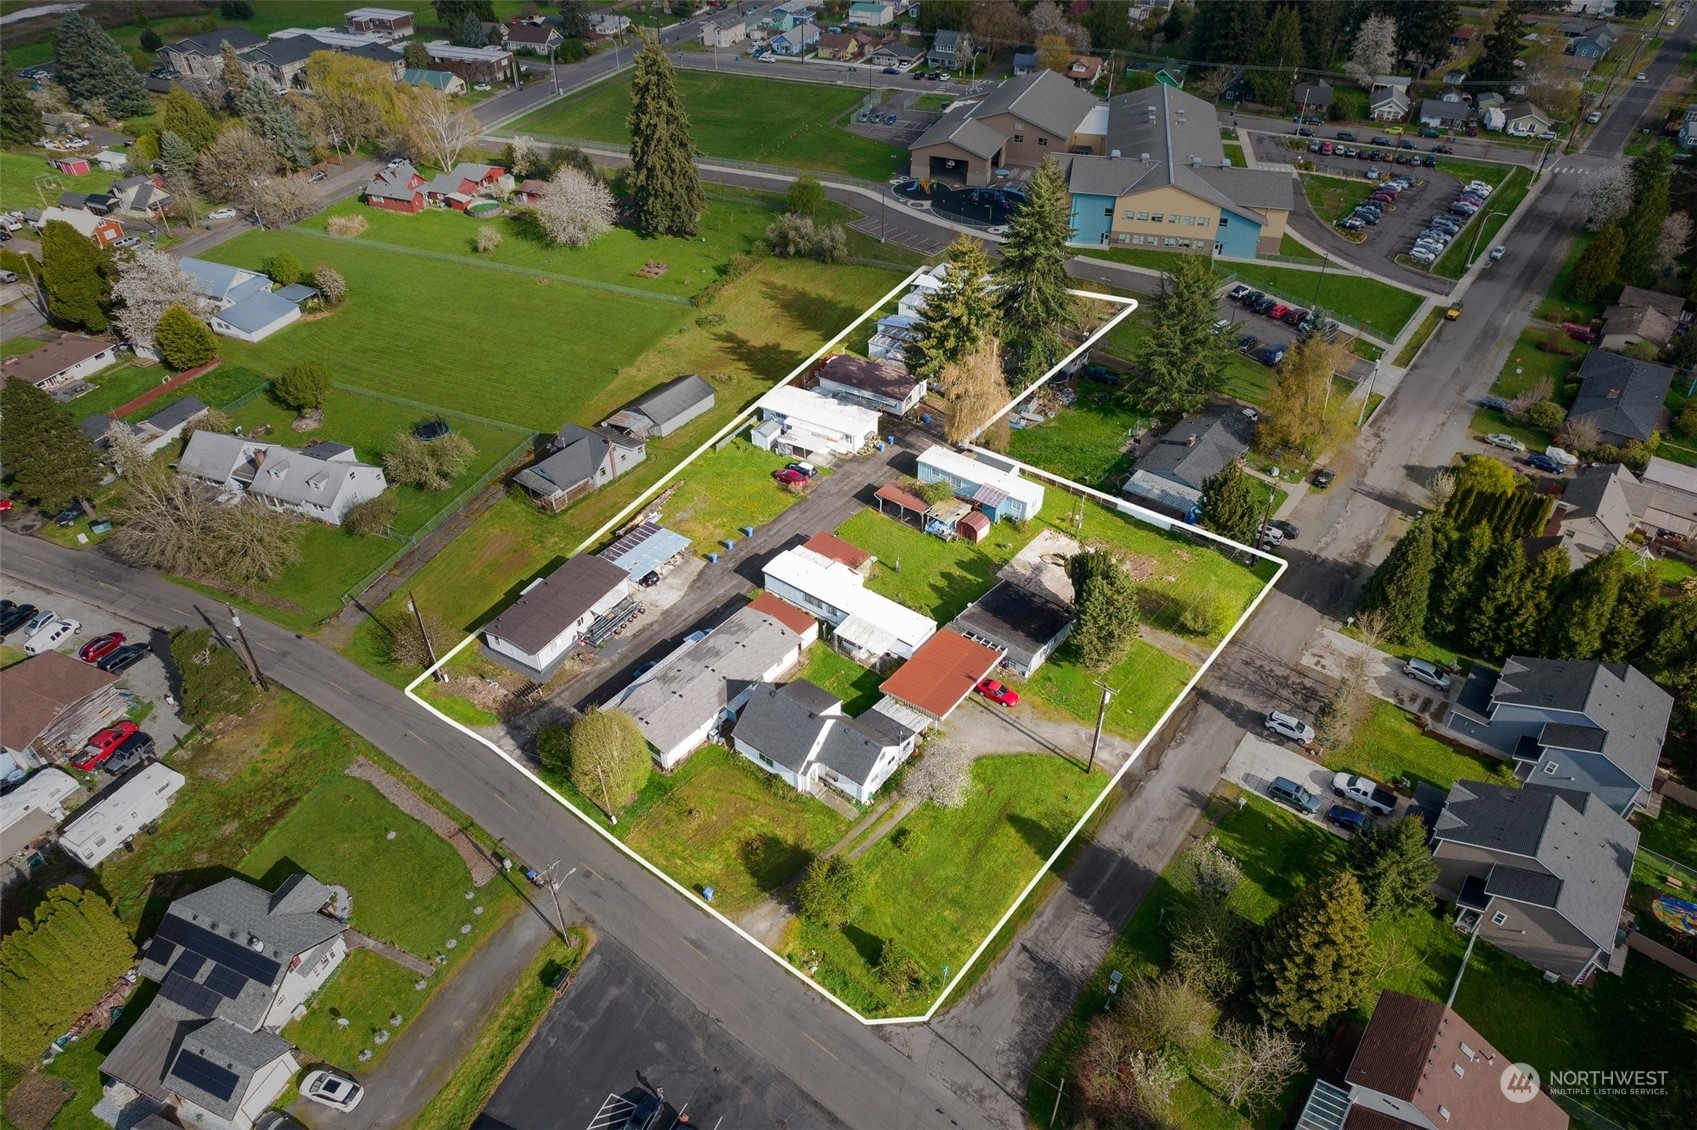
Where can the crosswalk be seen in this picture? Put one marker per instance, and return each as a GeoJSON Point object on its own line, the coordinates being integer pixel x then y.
{"type": "Point", "coordinates": [1572, 170]}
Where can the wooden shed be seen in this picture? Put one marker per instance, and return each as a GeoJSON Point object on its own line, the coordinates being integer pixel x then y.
{"type": "Point", "coordinates": [975, 527]}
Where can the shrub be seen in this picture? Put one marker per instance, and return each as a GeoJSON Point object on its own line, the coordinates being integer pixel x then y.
{"type": "Point", "coordinates": [554, 748]}
{"type": "Point", "coordinates": [827, 891]}
{"type": "Point", "coordinates": [1204, 615]}
{"type": "Point", "coordinates": [302, 385]}
{"type": "Point", "coordinates": [183, 339]}
{"type": "Point", "coordinates": [346, 226]}
{"type": "Point", "coordinates": [429, 465]}
{"type": "Point", "coordinates": [283, 268]}
{"type": "Point", "coordinates": [488, 239]}
{"type": "Point", "coordinates": [330, 283]}
{"type": "Point", "coordinates": [1546, 414]}
{"type": "Point", "coordinates": [795, 234]}
{"type": "Point", "coordinates": [373, 516]}
{"type": "Point", "coordinates": [1686, 422]}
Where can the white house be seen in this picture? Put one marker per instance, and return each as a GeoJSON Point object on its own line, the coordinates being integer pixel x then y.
{"type": "Point", "coordinates": [255, 318]}
{"type": "Point", "coordinates": [724, 31]}
{"type": "Point", "coordinates": [795, 421]}
{"type": "Point", "coordinates": [998, 491]}
{"type": "Point", "coordinates": [799, 733]}
{"type": "Point", "coordinates": [609, 23]}
{"type": "Point", "coordinates": [871, 13]}
{"type": "Point", "coordinates": [322, 480]}
{"type": "Point", "coordinates": [868, 626]}
{"type": "Point", "coordinates": [104, 826]}
{"type": "Point", "coordinates": [112, 161]}
{"type": "Point", "coordinates": [1522, 119]}
{"type": "Point", "coordinates": [62, 362]}
{"type": "Point", "coordinates": [554, 613]}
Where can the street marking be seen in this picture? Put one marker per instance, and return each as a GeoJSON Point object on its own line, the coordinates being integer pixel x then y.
{"type": "Point", "coordinates": [612, 1113]}
{"type": "Point", "coordinates": [820, 1046]}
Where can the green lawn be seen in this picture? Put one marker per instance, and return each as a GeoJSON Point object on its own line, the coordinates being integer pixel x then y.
{"type": "Point", "coordinates": [857, 686]}
{"type": "Point", "coordinates": [1476, 241]}
{"type": "Point", "coordinates": [1557, 306]}
{"type": "Point", "coordinates": [927, 574]}
{"type": "Point", "coordinates": [1292, 248]}
{"type": "Point", "coordinates": [1379, 307]}
{"type": "Point", "coordinates": [1527, 364]}
{"type": "Point", "coordinates": [366, 990]}
{"type": "Point", "coordinates": [1084, 442]}
{"type": "Point", "coordinates": [1234, 151]}
{"type": "Point", "coordinates": [726, 490]}
{"type": "Point", "coordinates": [27, 181]}
{"type": "Point", "coordinates": [943, 877]}
{"type": "Point", "coordinates": [1246, 380]}
{"type": "Point", "coordinates": [1428, 325]}
{"type": "Point", "coordinates": [726, 823]}
{"type": "Point", "coordinates": [1145, 683]}
{"type": "Point", "coordinates": [1332, 198]}
{"type": "Point", "coordinates": [1390, 747]}
{"type": "Point", "coordinates": [737, 116]}
{"type": "Point", "coordinates": [1673, 833]}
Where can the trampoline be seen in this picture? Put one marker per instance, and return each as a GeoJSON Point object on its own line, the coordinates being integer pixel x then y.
{"type": "Point", "coordinates": [1675, 913]}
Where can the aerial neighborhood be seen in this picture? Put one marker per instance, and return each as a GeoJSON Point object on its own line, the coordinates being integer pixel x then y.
{"type": "Point", "coordinates": [880, 564]}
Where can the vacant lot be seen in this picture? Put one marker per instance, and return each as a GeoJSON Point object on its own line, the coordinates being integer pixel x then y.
{"type": "Point", "coordinates": [1085, 442]}
{"type": "Point", "coordinates": [737, 116]}
{"type": "Point", "coordinates": [930, 575]}
{"type": "Point", "coordinates": [1389, 747]}
{"type": "Point", "coordinates": [1146, 681]}
{"type": "Point", "coordinates": [726, 490]}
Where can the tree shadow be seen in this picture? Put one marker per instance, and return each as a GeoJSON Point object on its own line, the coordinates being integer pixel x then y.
{"type": "Point", "coordinates": [769, 359]}
{"type": "Point", "coordinates": [1038, 836]}
{"type": "Point", "coordinates": [825, 314]}
{"type": "Point", "coordinates": [868, 945]}
{"type": "Point", "coordinates": [169, 886]}
{"type": "Point", "coordinates": [771, 860]}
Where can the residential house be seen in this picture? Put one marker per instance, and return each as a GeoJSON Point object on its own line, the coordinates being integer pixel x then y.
{"type": "Point", "coordinates": [399, 189]}
{"type": "Point", "coordinates": [280, 62]}
{"type": "Point", "coordinates": [665, 408]}
{"type": "Point", "coordinates": [880, 385]}
{"type": "Point", "coordinates": [458, 187]}
{"type": "Point", "coordinates": [841, 47]}
{"type": "Point", "coordinates": [531, 38]}
{"type": "Point", "coordinates": [529, 191]}
{"type": "Point", "coordinates": [554, 613]}
{"type": "Point", "coordinates": [1311, 97]}
{"type": "Point", "coordinates": [1671, 505]}
{"type": "Point", "coordinates": [474, 64]}
{"type": "Point", "coordinates": [1569, 723]}
{"type": "Point", "coordinates": [1488, 100]}
{"type": "Point", "coordinates": [1640, 316]}
{"type": "Point", "coordinates": [63, 361]}
{"type": "Point", "coordinates": [1688, 129]}
{"type": "Point", "coordinates": [446, 81]}
{"type": "Point", "coordinates": [940, 675]}
{"type": "Point", "coordinates": [391, 23]}
{"type": "Point", "coordinates": [112, 161]}
{"type": "Point", "coordinates": [795, 421]}
{"type": "Point", "coordinates": [950, 50]}
{"type": "Point", "coordinates": [1522, 119]}
{"type": "Point", "coordinates": [1463, 35]}
{"type": "Point", "coordinates": [798, 732]}
{"type": "Point", "coordinates": [100, 230]}
{"type": "Point", "coordinates": [1440, 114]}
{"type": "Point", "coordinates": [1594, 43]}
{"type": "Point", "coordinates": [1024, 60]}
{"type": "Point", "coordinates": [1084, 70]}
{"type": "Point", "coordinates": [234, 963]}
{"type": "Point", "coordinates": [606, 23]}
{"type": "Point", "coordinates": [872, 13]}
{"type": "Point", "coordinates": [1025, 626]}
{"type": "Point", "coordinates": [580, 461]}
{"type": "Point", "coordinates": [222, 284]}
{"type": "Point", "coordinates": [868, 627]}
{"type": "Point", "coordinates": [200, 56]}
{"type": "Point", "coordinates": [1622, 396]}
{"type": "Point", "coordinates": [1539, 872]}
{"type": "Point", "coordinates": [1454, 79]}
{"type": "Point", "coordinates": [1386, 103]}
{"type": "Point", "coordinates": [894, 53]}
{"type": "Point", "coordinates": [140, 196]}
{"type": "Point", "coordinates": [724, 31]}
{"type": "Point", "coordinates": [890, 338]}
{"type": "Point", "coordinates": [688, 696]}
{"type": "Point", "coordinates": [1420, 1064]}
{"type": "Point", "coordinates": [995, 489]}
{"type": "Point", "coordinates": [797, 41]}
{"type": "Point", "coordinates": [322, 481]}
{"type": "Point", "coordinates": [645, 550]}
{"type": "Point", "coordinates": [1169, 477]}
{"type": "Point", "coordinates": [255, 318]}
{"type": "Point", "coordinates": [49, 704]}
{"type": "Point", "coordinates": [1597, 510]}
{"type": "Point", "coordinates": [114, 818]}
{"type": "Point", "coordinates": [156, 432]}
{"type": "Point", "coordinates": [33, 809]}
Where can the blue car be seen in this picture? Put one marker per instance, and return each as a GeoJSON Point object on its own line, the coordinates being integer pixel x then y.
{"type": "Point", "coordinates": [1346, 818]}
{"type": "Point", "coordinates": [1542, 462]}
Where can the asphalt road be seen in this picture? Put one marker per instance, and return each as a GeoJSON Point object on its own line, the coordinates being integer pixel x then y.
{"type": "Point", "coordinates": [1630, 104]}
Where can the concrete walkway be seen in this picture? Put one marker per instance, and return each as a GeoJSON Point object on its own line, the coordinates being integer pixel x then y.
{"type": "Point", "coordinates": [394, 953]}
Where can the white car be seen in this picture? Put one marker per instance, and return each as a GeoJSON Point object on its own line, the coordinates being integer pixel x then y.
{"type": "Point", "coordinates": [1594, 117]}
{"type": "Point", "coordinates": [1498, 252]}
{"type": "Point", "coordinates": [1498, 439]}
{"type": "Point", "coordinates": [1363, 791]}
{"type": "Point", "coordinates": [1289, 726]}
{"type": "Point", "coordinates": [1640, 77]}
{"type": "Point", "coordinates": [221, 214]}
{"type": "Point", "coordinates": [482, 86]}
{"type": "Point", "coordinates": [333, 1089]}
{"type": "Point", "coordinates": [51, 634]}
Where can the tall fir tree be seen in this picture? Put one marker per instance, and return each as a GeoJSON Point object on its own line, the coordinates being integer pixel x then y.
{"type": "Point", "coordinates": [1524, 619]}
{"type": "Point", "coordinates": [1315, 959]}
{"type": "Point", "coordinates": [271, 119]}
{"type": "Point", "coordinates": [470, 32]}
{"type": "Point", "coordinates": [1032, 276]}
{"type": "Point", "coordinates": [1182, 358]}
{"type": "Point", "coordinates": [188, 118]}
{"type": "Point", "coordinates": [1580, 622]}
{"type": "Point", "coordinates": [1633, 617]}
{"type": "Point", "coordinates": [574, 18]}
{"type": "Point", "coordinates": [20, 117]}
{"type": "Point", "coordinates": [1495, 69]}
{"type": "Point", "coordinates": [1107, 608]}
{"type": "Point", "coordinates": [1671, 657]}
{"type": "Point", "coordinates": [57, 964]}
{"type": "Point", "coordinates": [1323, 23]}
{"type": "Point", "coordinates": [959, 315]}
{"type": "Point", "coordinates": [178, 157]}
{"type": "Point", "coordinates": [50, 460]}
{"type": "Point", "coordinates": [665, 190]}
{"type": "Point", "coordinates": [1422, 29]}
{"type": "Point", "coordinates": [1598, 264]}
{"type": "Point", "coordinates": [1394, 867]}
{"type": "Point", "coordinates": [1641, 228]}
{"type": "Point", "coordinates": [78, 277]}
{"type": "Point", "coordinates": [1402, 585]}
{"type": "Point", "coordinates": [1227, 31]}
{"type": "Point", "coordinates": [1277, 55]}
{"type": "Point", "coordinates": [1466, 557]}
{"type": "Point", "coordinates": [93, 68]}
{"type": "Point", "coordinates": [1228, 508]}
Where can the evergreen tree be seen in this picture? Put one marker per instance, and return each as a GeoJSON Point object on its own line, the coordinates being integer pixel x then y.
{"type": "Point", "coordinates": [665, 191]}
{"type": "Point", "coordinates": [56, 965]}
{"type": "Point", "coordinates": [50, 461]}
{"type": "Point", "coordinates": [1423, 29]}
{"type": "Point", "coordinates": [1183, 359]}
{"type": "Point", "coordinates": [416, 56]}
{"type": "Point", "coordinates": [20, 117]}
{"type": "Point", "coordinates": [1598, 265]}
{"type": "Point", "coordinates": [1633, 617]}
{"type": "Point", "coordinates": [1227, 31]}
{"type": "Point", "coordinates": [1032, 277]}
{"type": "Point", "coordinates": [1460, 582]}
{"type": "Point", "coordinates": [1394, 867]}
{"type": "Point", "coordinates": [1277, 54]}
{"type": "Point", "coordinates": [93, 68]}
{"type": "Point", "coordinates": [1322, 32]}
{"type": "Point", "coordinates": [1578, 626]}
{"type": "Point", "coordinates": [827, 891]}
{"type": "Point", "coordinates": [574, 18]}
{"type": "Point", "coordinates": [452, 13]}
{"type": "Point", "coordinates": [1316, 956]}
{"type": "Point", "coordinates": [178, 157]}
{"type": "Point", "coordinates": [1228, 508]}
{"type": "Point", "coordinates": [1105, 600]}
{"type": "Point", "coordinates": [1671, 658]}
{"type": "Point", "coordinates": [471, 33]}
{"type": "Point", "coordinates": [1401, 586]}
{"type": "Point", "coordinates": [958, 316]}
{"type": "Point", "coordinates": [1109, 25]}
{"type": "Point", "coordinates": [1641, 229]}
{"type": "Point", "coordinates": [270, 118]}
{"type": "Point", "coordinates": [183, 339]}
{"type": "Point", "coordinates": [1523, 622]}
{"type": "Point", "coordinates": [234, 72]}
{"type": "Point", "coordinates": [78, 277]}
{"type": "Point", "coordinates": [303, 385]}
{"type": "Point", "coordinates": [1495, 69]}
{"type": "Point", "coordinates": [188, 118]}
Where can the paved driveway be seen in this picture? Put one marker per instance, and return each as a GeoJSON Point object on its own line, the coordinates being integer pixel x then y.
{"type": "Point", "coordinates": [1257, 761]}
{"type": "Point", "coordinates": [1329, 650]}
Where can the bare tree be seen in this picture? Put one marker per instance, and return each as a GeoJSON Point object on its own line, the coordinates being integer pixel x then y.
{"type": "Point", "coordinates": [1374, 51]}
{"type": "Point", "coordinates": [1047, 19]}
{"type": "Point", "coordinates": [1675, 238]}
{"type": "Point", "coordinates": [1608, 197]}
{"type": "Point", "coordinates": [149, 283]}
{"type": "Point", "coordinates": [173, 523]}
{"type": "Point", "coordinates": [428, 464]}
{"type": "Point", "coordinates": [438, 128]}
{"type": "Point", "coordinates": [281, 201]}
{"type": "Point", "coordinates": [237, 167]}
{"type": "Point", "coordinates": [1440, 490]}
{"type": "Point", "coordinates": [1391, 954]}
{"type": "Point", "coordinates": [1254, 1064]}
{"type": "Point", "coordinates": [943, 775]}
{"type": "Point", "coordinates": [125, 451]}
{"type": "Point", "coordinates": [1210, 947]}
{"type": "Point", "coordinates": [575, 210]}
{"type": "Point", "coordinates": [1213, 873]}
{"type": "Point", "coordinates": [1121, 1084]}
{"type": "Point", "coordinates": [1580, 433]}
{"type": "Point", "coordinates": [1522, 404]}
{"type": "Point", "coordinates": [975, 390]}
{"type": "Point", "coordinates": [998, 25]}
{"type": "Point", "coordinates": [1165, 1011]}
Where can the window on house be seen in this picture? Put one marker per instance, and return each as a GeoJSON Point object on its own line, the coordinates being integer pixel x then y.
{"type": "Point", "coordinates": [1128, 215]}
{"type": "Point", "coordinates": [1018, 138]}
{"type": "Point", "coordinates": [1173, 219]}
{"type": "Point", "coordinates": [1224, 221]}
{"type": "Point", "coordinates": [1550, 768]}
{"type": "Point", "coordinates": [1499, 918]}
{"type": "Point", "coordinates": [1143, 215]}
{"type": "Point", "coordinates": [1124, 238]}
{"type": "Point", "coordinates": [1042, 141]}
{"type": "Point", "coordinates": [1170, 241]}
{"type": "Point", "coordinates": [1190, 221]}
{"type": "Point", "coordinates": [1108, 211]}
{"type": "Point", "coordinates": [1202, 221]}
{"type": "Point", "coordinates": [1155, 218]}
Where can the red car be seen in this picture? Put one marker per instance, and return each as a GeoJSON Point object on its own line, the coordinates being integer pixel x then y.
{"type": "Point", "coordinates": [102, 745]}
{"type": "Point", "coordinates": [788, 475]}
{"type": "Point", "coordinates": [996, 692]}
{"type": "Point", "coordinates": [1278, 311]}
{"type": "Point", "coordinates": [100, 647]}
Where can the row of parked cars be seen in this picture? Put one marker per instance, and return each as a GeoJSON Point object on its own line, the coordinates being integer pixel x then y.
{"type": "Point", "coordinates": [1377, 156]}
{"type": "Point", "coordinates": [1442, 228]}
{"type": "Point", "coordinates": [1370, 211]}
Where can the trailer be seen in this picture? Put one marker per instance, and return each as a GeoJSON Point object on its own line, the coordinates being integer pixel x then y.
{"type": "Point", "coordinates": [113, 820]}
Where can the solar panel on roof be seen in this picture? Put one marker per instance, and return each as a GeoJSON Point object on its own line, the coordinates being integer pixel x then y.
{"type": "Point", "coordinates": [159, 950]}
{"type": "Point", "coordinates": [198, 999]}
{"type": "Point", "coordinates": [188, 963]}
{"type": "Point", "coordinates": [225, 951]}
{"type": "Point", "coordinates": [198, 1071]}
{"type": "Point", "coordinates": [226, 982]}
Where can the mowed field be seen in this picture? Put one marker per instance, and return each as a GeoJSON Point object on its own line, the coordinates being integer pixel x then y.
{"type": "Point", "coordinates": [749, 119]}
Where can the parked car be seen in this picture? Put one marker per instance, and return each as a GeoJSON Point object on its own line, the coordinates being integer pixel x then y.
{"type": "Point", "coordinates": [889, 119]}
{"type": "Point", "coordinates": [1277, 311]}
{"type": "Point", "coordinates": [1640, 77]}
{"type": "Point", "coordinates": [1364, 791]}
{"type": "Point", "coordinates": [1102, 375]}
{"type": "Point", "coordinates": [317, 175]}
{"type": "Point", "coordinates": [14, 618]}
{"type": "Point", "coordinates": [1289, 726]}
{"type": "Point", "coordinates": [805, 468]}
{"type": "Point", "coordinates": [998, 693]}
{"type": "Point", "coordinates": [1270, 355]}
{"type": "Point", "coordinates": [1497, 402]}
{"type": "Point", "coordinates": [49, 635]}
{"type": "Point", "coordinates": [332, 1089]}
{"type": "Point", "coordinates": [788, 476]}
{"type": "Point", "coordinates": [1425, 671]}
{"type": "Point", "coordinates": [132, 751]}
{"type": "Point", "coordinates": [1345, 135]}
{"type": "Point", "coordinates": [1286, 530]}
{"type": "Point", "coordinates": [1428, 131]}
{"type": "Point", "coordinates": [128, 241]}
{"type": "Point", "coordinates": [1538, 461]}
{"type": "Point", "coordinates": [103, 744]}
{"type": "Point", "coordinates": [1247, 342]}
{"type": "Point", "coordinates": [1236, 293]}
{"type": "Point", "coordinates": [1324, 478]}
{"type": "Point", "coordinates": [1346, 818]}
{"type": "Point", "coordinates": [1295, 316]}
{"type": "Point", "coordinates": [42, 618]}
{"type": "Point", "coordinates": [1508, 442]}
{"type": "Point", "coordinates": [68, 516]}
{"type": "Point", "coordinates": [1287, 791]}
{"type": "Point", "coordinates": [230, 213]}
{"type": "Point", "coordinates": [1249, 298]}
{"type": "Point", "coordinates": [1594, 117]}
{"type": "Point", "coordinates": [124, 658]}
{"type": "Point", "coordinates": [100, 647]}
{"type": "Point", "coordinates": [1264, 304]}
{"type": "Point", "coordinates": [1498, 252]}
{"type": "Point", "coordinates": [1304, 131]}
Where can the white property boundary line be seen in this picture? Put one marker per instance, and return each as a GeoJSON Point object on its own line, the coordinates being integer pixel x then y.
{"type": "Point", "coordinates": [735, 424]}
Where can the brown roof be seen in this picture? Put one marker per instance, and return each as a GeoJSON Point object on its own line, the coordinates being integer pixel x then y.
{"type": "Point", "coordinates": [35, 692]}
{"type": "Point", "coordinates": [783, 612]}
{"type": "Point", "coordinates": [868, 376]}
{"type": "Point", "coordinates": [1427, 1055]}
{"type": "Point", "coordinates": [942, 673]}
{"type": "Point", "coordinates": [54, 357]}
{"type": "Point", "coordinates": [834, 547]}
{"type": "Point", "coordinates": [537, 617]}
{"type": "Point", "coordinates": [894, 492]}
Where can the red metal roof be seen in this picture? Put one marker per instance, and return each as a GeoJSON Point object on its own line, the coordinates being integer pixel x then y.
{"type": "Point", "coordinates": [784, 613]}
{"type": "Point", "coordinates": [834, 547]}
{"type": "Point", "coordinates": [893, 492]}
{"type": "Point", "coordinates": [942, 673]}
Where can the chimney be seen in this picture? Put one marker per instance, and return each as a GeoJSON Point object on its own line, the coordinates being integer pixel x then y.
{"type": "Point", "coordinates": [1143, 156]}
{"type": "Point", "coordinates": [1195, 160]}
{"type": "Point", "coordinates": [1190, 440]}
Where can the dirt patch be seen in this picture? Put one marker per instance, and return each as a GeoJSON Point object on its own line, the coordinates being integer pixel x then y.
{"type": "Point", "coordinates": [1140, 568]}
{"type": "Point", "coordinates": [36, 1100]}
{"type": "Point", "coordinates": [309, 421]}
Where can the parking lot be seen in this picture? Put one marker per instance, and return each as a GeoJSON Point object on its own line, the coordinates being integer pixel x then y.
{"type": "Point", "coordinates": [1257, 761]}
{"type": "Point", "coordinates": [909, 123]}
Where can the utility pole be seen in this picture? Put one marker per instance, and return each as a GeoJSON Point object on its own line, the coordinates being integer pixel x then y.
{"type": "Point", "coordinates": [429, 648]}
{"type": "Point", "coordinates": [554, 889]}
{"type": "Point", "coordinates": [1095, 742]}
{"type": "Point", "coordinates": [252, 659]}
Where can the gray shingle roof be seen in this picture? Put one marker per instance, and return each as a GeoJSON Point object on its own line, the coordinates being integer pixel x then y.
{"type": "Point", "coordinates": [1043, 98]}
{"type": "Point", "coordinates": [391, 184]}
{"type": "Point", "coordinates": [221, 281]}
{"type": "Point", "coordinates": [225, 1046]}
{"type": "Point", "coordinates": [276, 471]}
{"type": "Point", "coordinates": [1621, 395]}
{"type": "Point", "coordinates": [674, 398]}
{"type": "Point", "coordinates": [1439, 110]}
{"type": "Point", "coordinates": [1614, 697]}
{"type": "Point", "coordinates": [1219, 438]}
{"type": "Point", "coordinates": [1017, 620]}
{"type": "Point", "coordinates": [577, 455]}
{"type": "Point", "coordinates": [1251, 188]}
{"type": "Point", "coordinates": [540, 615]}
{"type": "Point", "coordinates": [211, 42]}
{"type": "Point", "coordinates": [959, 128]}
{"type": "Point", "coordinates": [176, 414]}
{"type": "Point", "coordinates": [1607, 492]}
{"type": "Point", "coordinates": [784, 726]}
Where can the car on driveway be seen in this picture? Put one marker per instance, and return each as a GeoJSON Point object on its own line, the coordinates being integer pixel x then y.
{"type": "Point", "coordinates": [100, 647]}
{"type": "Point", "coordinates": [102, 745]}
{"type": "Point", "coordinates": [49, 636]}
{"type": "Point", "coordinates": [132, 751]}
{"type": "Point", "coordinates": [1286, 791]}
{"type": "Point", "coordinates": [1323, 478]}
{"type": "Point", "coordinates": [1507, 442]}
{"type": "Point", "coordinates": [1286, 530]}
{"type": "Point", "coordinates": [221, 214]}
{"type": "Point", "coordinates": [1542, 462]}
{"type": "Point", "coordinates": [124, 658]}
{"type": "Point", "coordinates": [1425, 671]}
{"type": "Point", "coordinates": [807, 469]}
{"type": "Point", "coordinates": [333, 1089]}
{"type": "Point", "coordinates": [1289, 726]}
{"type": "Point", "coordinates": [998, 693]}
{"type": "Point", "coordinates": [1346, 818]}
{"type": "Point", "coordinates": [14, 618]}
{"type": "Point", "coordinates": [1364, 791]}
{"type": "Point", "coordinates": [788, 476]}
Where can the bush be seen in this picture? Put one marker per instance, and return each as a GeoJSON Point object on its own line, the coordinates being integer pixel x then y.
{"type": "Point", "coordinates": [215, 681]}
{"type": "Point", "coordinates": [554, 748]}
{"type": "Point", "coordinates": [183, 340]}
{"type": "Point", "coordinates": [330, 283]}
{"type": "Point", "coordinates": [1204, 616]}
{"type": "Point", "coordinates": [346, 226]}
{"type": "Point", "coordinates": [1546, 414]}
{"type": "Point", "coordinates": [827, 891]}
{"type": "Point", "coordinates": [284, 269]}
{"type": "Point", "coordinates": [235, 10]}
{"type": "Point", "coordinates": [795, 234]}
{"type": "Point", "coordinates": [573, 51]}
{"type": "Point", "coordinates": [1686, 422]}
{"type": "Point", "coordinates": [899, 969]}
{"type": "Point", "coordinates": [488, 238]}
{"type": "Point", "coordinates": [302, 386]}
{"type": "Point", "coordinates": [429, 465]}
{"type": "Point", "coordinates": [373, 516]}
{"type": "Point", "coordinates": [151, 41]}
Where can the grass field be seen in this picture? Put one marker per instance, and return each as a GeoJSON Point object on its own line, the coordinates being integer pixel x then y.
{"type": "Point", "coordinates": [726, 490]}
{"type": "Point", "coordinates": [1557, 306]}
{"type": "Point", "coordinates": [941, 880]}
{"type": "Point", "coordinates": [27, 181]}
{"type": "Point", "coordinates": [927, 574]}
{"type": "Point", "coordinates": [727, 824]}
{"type": "Point", "coordinates": [1332, 198]}
{"type": "Point", "coordinates": [1147, 680]}
{"type": "Point", "coordinates": [1672, 833]}
{"type": "Point", "coordinates": [1084, 442]}
{"type": "Point", "coordinates": [366, 990]}
{"type": "Point", "coordinates": [857, 686]}
{"type": "Point", "coordinates": [120, 385]}
{"type": "Point", "coordinates": [1389, 747]}
{"type": "Point", "coordinates": [737, 116]}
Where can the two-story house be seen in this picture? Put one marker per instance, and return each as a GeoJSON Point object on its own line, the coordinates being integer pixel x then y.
{"type": "Point", "coordinates": [580, 460]}
{"type": "Point", "coordinates": [322, 481]}
{"type": "Point", "coordinates": [397, 189]}
{"type": "Point", "coordinates": [201, 56]}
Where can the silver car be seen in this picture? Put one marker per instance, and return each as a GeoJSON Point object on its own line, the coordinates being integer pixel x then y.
{"type": "Point", "coordinates": [1425, 671]}
{"type": "Point", "coordinates": [1289, 726]}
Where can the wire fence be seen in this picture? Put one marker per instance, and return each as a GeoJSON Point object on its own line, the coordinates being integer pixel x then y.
{"type": "Point", "coordinates": [435, 410]}
{"type": "Point", "coordinates": [1658, 870]}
